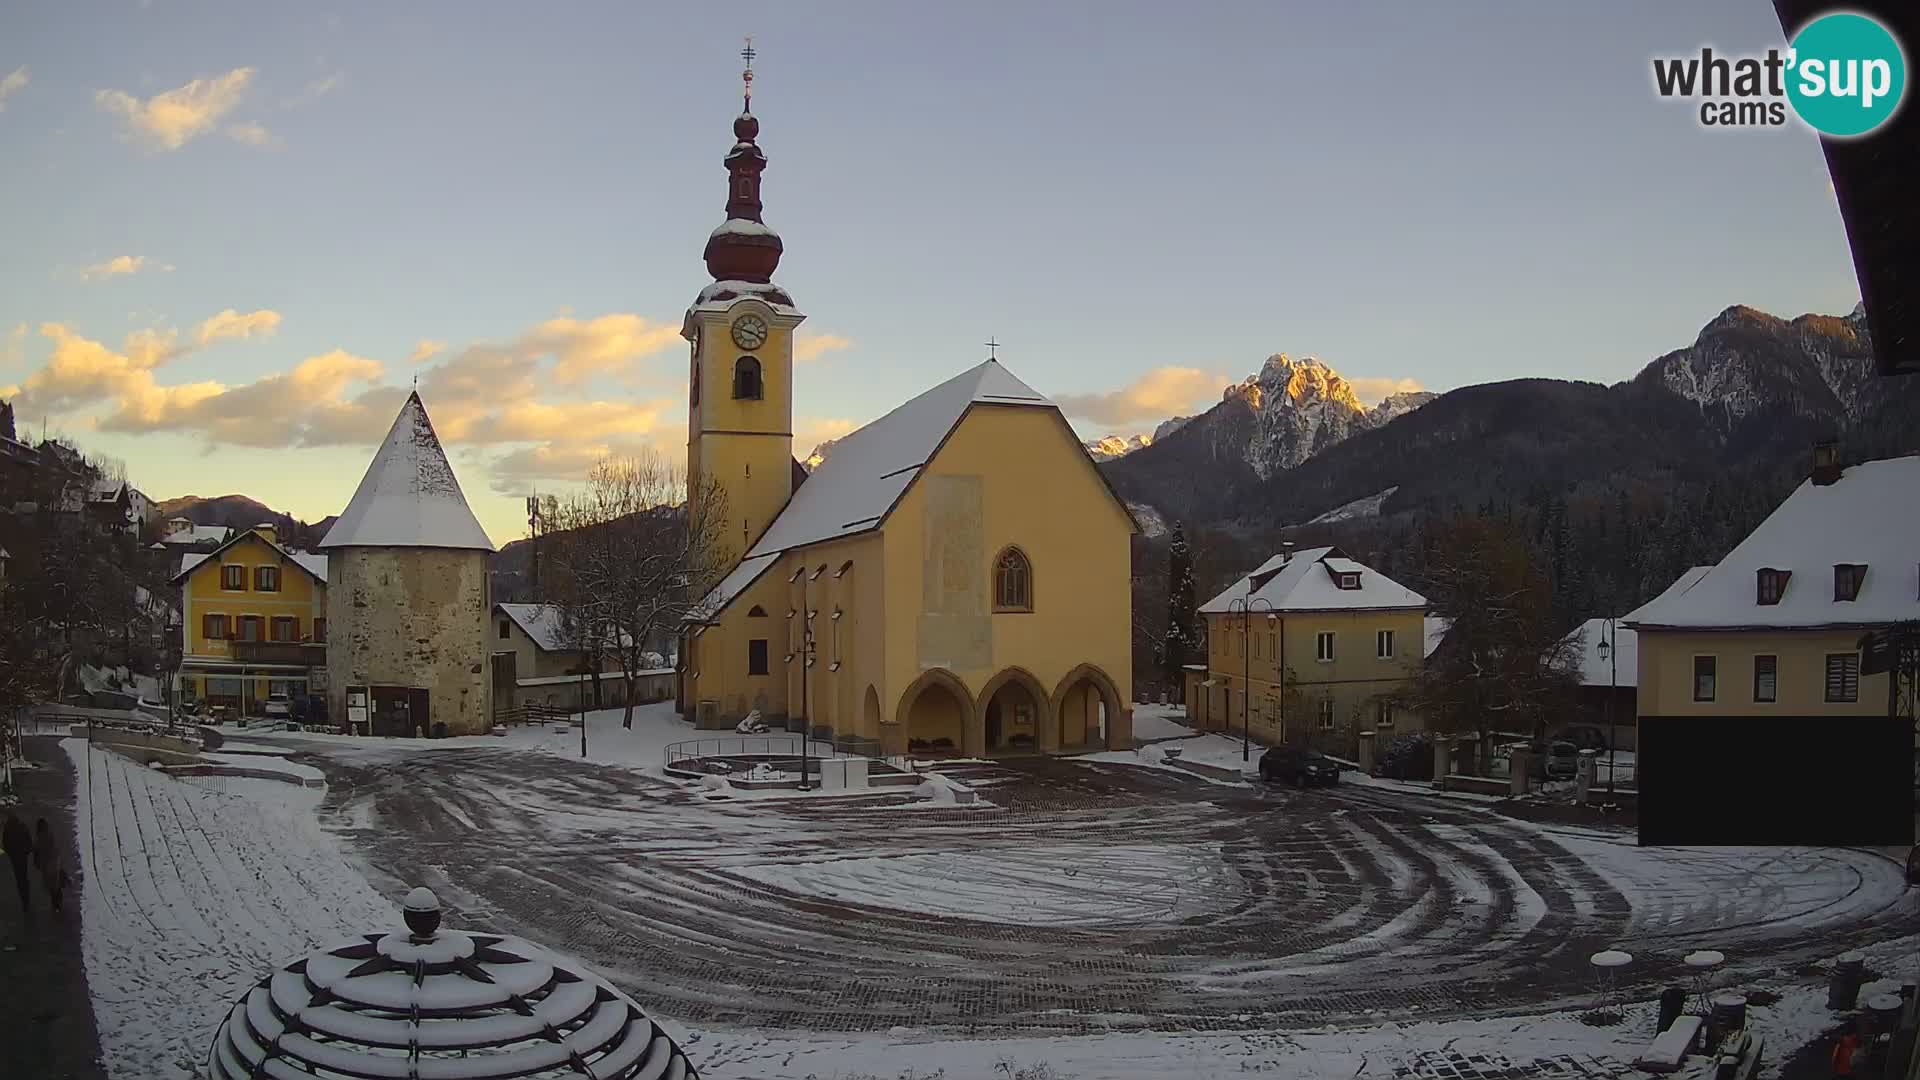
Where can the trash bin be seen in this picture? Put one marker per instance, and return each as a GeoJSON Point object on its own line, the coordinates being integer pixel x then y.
{"type": "Point", "coordinates": [440, 729]}
{"type": "Point", "coordinates": [1849, 972]}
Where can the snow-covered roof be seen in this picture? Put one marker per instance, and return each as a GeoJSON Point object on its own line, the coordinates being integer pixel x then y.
{"type": "Point", "coordinates": [409, 496]}
{"type": "Point", "coordinates": [197, 534]}
{"type": "Point", "coordinates": [1869, 517]}
{"type": "Point", "coordinates": [1303, 584]}
{"type": "Point", "coordinates": [543, 624]}
{"type": "Point", "coordinates": [724, 294]}
{"type": "Point", "coordinates": [741, 227]}
{"type": "Point", "coordinates": [312, 562]}
{"type": "Point", "coordinates": [853, 490]}
{"type": "Point", "coordinates": [1436, 627]}
{"type": "Point", "coordinates": [735, 583]}
{"type": "Point", "coordinates": [1621, 668]}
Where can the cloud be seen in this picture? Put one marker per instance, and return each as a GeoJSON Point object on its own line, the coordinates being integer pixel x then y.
{"type": "Point", "coordinates": [232, 324]}
{"type": "Point", "coordinates": [81, 371]}
{"type": "Point", "coordinates": [14, 350]}
{"type": "Point", "coordinates": [1157, 395]}
{"type": "Point", "coordinates": [605, 345]}
{"type": "Point", "coordinates": [253, 134]}
{"type": "Point", "coordinates": [118, 265]}
{"type": "Point", "coordinates": [809, 346]}
{"type": "Point", "coordinates": [1372, 388]}
{"type": "Point", "coordinates": [315, 90]}
{"type": "Point", "coordinates": [307, 406]}
{"type": "Point", "coordinates": [426, 349]}
{"type": "Point", "coordinates": [515, 472]}
{"type": "Point", "coordinates": [14, 82]}
{"type": "Point", "coordinates": [170, 120]}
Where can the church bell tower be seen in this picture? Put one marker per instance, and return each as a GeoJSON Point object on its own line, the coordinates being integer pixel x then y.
{"type": "Point", "coordinates": [740, 328]}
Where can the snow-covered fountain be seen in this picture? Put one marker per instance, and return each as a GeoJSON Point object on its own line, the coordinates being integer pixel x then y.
{"type": "Point", "coordinates": [440, 1003]}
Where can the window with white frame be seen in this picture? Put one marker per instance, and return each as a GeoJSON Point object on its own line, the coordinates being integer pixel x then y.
{"type": "Point", "coordinates": [1383, 714]}
{"type": "Point", "coordinates": [1326, 713]}
{"type": "Point", "coordinates": [1383, 644]}
{"type": "Point", "coordinates": [1323, 646]}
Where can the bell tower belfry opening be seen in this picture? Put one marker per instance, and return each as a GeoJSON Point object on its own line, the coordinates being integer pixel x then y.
{"type": "Point", "coordinates": [740, 333]}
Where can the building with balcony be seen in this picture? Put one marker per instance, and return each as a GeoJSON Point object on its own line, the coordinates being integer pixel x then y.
{"type": "Point", "coordinates": [253, 622]}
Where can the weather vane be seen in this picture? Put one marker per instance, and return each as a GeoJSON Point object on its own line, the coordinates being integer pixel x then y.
{"type": "Point", "coordinates": [993, 349]}
{"type": "Point", "coordinates": [746, 75]}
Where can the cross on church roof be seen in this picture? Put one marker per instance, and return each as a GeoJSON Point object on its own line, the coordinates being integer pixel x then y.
{"type": "Point", "coordinates": [746, 74]}
{"type": "Point", "coordinates": [993, 349]}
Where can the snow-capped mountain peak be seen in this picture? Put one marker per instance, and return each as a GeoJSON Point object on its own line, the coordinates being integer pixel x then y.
{"type": "Point", "coordinates": [1108, 447]}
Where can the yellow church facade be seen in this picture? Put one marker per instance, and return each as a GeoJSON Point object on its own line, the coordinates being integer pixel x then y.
{"type": "Point", "coordinates": [953, 580]}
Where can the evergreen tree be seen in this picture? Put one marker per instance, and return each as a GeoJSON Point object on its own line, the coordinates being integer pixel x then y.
{"type": "Point", "coordinates": [1182, 640]}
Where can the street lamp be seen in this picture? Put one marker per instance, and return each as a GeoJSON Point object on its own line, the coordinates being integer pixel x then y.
{"type": "Point", "coordinates": [1246, 610]}
{"type": "Point", "coordinates": [1610, 652]}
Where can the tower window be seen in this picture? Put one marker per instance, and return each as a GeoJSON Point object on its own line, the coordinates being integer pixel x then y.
{"type": "Point", "coordinates": [1012, 581]}
{"type": "Point", "coordinates": [746, 379]}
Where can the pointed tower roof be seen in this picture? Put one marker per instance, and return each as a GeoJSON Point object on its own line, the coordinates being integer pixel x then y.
{"type": "Point", "coordinates": [409, 497]}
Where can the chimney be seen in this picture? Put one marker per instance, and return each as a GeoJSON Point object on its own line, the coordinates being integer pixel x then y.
{"type": "Point", "coordinates": [1286, 552]}
{"type": "Point", "coordinates": [1826, 463]}
{"type": "Point", "coordinates": [266, 529]}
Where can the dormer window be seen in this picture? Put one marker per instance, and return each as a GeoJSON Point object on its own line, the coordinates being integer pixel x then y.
{"type": "Point", "coordinates": [1348, 581]}
{"type": "Point", "coordinates": [1847, 578]}
{"type": "Point", "coordinates": [1770, 585]}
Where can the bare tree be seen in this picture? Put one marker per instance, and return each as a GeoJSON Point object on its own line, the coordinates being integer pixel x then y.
{"type": "Point", "coordinates": [1503, 665]}
{"type": "Point", "coordinates": [628, 557]}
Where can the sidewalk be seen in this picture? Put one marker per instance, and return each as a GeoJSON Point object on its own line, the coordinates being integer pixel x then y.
{"type": "Point", "coordinates": [46, 1018]}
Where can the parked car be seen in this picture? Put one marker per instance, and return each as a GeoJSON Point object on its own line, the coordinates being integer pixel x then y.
{"type": "Point", "coordinates": [1301, 768]}
{"type": "Point", "coordinates": [279, 707]}
{"type": "Point", "coordinates": [1556, 760]}
{"type": "Point", "coordinates": [1586, 736]}
{"type": "Point", "coordinates": [1406, 756]}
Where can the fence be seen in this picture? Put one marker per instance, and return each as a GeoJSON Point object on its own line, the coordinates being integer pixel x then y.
{"type": "Point", "coordinates": [770, 746]}
{"type": "Point", "coordinates": [533, 713]}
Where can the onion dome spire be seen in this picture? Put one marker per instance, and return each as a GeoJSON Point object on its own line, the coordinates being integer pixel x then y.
{"type": "Point", "coordinates": [743, 248]}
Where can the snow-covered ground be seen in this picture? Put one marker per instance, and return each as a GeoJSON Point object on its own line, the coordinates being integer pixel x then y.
{"type": "Point", "coordinates": [1156, 721]}
{"type": "Point", "coordinates": [1157, 937]}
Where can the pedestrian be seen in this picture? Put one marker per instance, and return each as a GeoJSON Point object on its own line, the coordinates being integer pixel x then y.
{"type": "Point", "coordinates": [53, 868]}
{"type": "Point", "coordinates": [1913, 867]}
{"type": "Point", "coordinates": [19, 844]}
{"type": "Point", "coordinates": [1845, 1050]}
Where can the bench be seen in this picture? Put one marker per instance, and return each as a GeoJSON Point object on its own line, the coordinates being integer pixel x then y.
{"type": "Point", "coordinates": [1669, 1048]}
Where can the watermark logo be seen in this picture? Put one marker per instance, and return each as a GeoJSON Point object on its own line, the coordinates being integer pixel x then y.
{"type": "Point", "coordinates": [1843, 75]}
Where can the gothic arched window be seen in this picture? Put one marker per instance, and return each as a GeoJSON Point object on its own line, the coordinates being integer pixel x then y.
{"type": "Point", "coordinates": [746, 378]}
{"type": "Point", "coordinates": [1012, 581]}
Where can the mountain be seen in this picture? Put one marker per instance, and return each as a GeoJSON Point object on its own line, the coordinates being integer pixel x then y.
{"type": "Point", "coordinates": [241, 512]}
{"type": "Point", "coordinates": [1112, 446]}
{"type": "Point", "coordinates": [1752, 392]}
{"type": "Point", "coordinates": [820, 453]}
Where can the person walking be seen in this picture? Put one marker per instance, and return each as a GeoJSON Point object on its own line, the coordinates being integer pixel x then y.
{"type": "Point", "coordinates": [19, 845]}
{"type": "Point", "coordinates": [48, 857]}
{"type": "Point", "coordinates": [1845, 1049]}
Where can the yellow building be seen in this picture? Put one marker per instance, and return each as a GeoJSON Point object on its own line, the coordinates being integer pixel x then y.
{"type": "Point", "coordinates": [1312, 648]}
{"type": "Point", "coordinates": [953, 579]}
{"type": "Point", "coordinates": [253, 621]}
{"type": "Point", "coordinates": [1774, 629]}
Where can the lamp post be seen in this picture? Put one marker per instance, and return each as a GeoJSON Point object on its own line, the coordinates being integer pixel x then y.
{"type": "Point", "coordinates": [1246, 609]}
{"type": "Point", "coordinates": [1610, 652]}
{"type": "Point", "coordinates": [583, 707]}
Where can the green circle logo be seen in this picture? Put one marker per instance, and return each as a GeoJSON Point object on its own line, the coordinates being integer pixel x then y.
{"type": "Point", "coordinates": [1846, 74]}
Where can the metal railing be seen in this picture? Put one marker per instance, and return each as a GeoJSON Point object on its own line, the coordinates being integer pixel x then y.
{"type": "Point", "coordinates": [773, 745]}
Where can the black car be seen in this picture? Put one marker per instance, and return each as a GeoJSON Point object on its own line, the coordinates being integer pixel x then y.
{"type": "Point", "coordinates": [1556, 760]}
{"type": "Point", "coordinates": [1301, 768]}
{"type": "Point", "coordinates": [1586, 737]}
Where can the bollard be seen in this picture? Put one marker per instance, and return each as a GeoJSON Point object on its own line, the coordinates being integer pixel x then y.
{"type": "Point", "coordinates": [1843, 990]}
{"type": "Point", "coordinates": [1673, 1002]}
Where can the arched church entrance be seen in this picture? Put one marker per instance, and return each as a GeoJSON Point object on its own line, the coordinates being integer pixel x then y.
{"type": "Point", "coordinates": [1014, 715]}
{"type": "Point", "coordinates": [1086, 704]}
{"type": "Point", "coordinates": [934, 711]}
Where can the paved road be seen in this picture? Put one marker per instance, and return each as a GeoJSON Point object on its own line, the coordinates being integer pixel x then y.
{"type": "Point", "coordinates": [1086, 897]}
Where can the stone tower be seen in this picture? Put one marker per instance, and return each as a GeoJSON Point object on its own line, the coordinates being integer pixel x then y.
{"type": "Point", "coordinates": [409, 593]}
{"type": "Point", "coordinates": [740, 384]}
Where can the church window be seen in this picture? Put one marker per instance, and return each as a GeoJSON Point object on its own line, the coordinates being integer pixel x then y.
{"type": "Point", "coordinates": [757, 612]}
{"type": "Point", "coordinates": [757, 656]}
{"type": "Point", "coordinates": [746, 379]}
{"type": "Point", "coordinates": [1012, 581]}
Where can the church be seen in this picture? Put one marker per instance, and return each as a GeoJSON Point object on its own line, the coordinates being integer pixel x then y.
{"type": "Point", "coordinates": [953, 580]}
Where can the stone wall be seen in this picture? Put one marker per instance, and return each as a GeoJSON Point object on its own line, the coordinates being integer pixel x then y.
{"type": "Point", "coordinates": [413, 617]}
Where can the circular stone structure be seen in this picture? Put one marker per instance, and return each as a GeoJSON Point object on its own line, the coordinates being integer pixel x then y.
{"type": "Point", "coordinates": [440, 1003]}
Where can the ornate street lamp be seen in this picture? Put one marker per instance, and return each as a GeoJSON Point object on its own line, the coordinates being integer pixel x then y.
{"type": "Point", "coordinates": [1610, 652]}
{"type": "Point", "coordinates": [1246, 610]}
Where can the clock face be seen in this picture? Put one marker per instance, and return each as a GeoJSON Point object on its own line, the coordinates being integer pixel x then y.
{"type": "Point", "coordinates": [749, 332]}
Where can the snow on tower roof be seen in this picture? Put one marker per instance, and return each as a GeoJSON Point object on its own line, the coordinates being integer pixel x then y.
{"type": "Point", "coordinates": [409, 497]}
{"type": "Point", "coordinates": [853, 490]}
{"type": "Point", "coordinates": [1867, 517]}
{"type": "Point", "coordinates": [1293, 585]}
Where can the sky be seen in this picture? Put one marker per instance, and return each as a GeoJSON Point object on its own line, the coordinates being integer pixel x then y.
{"type": "Point", "coordinates": [235, 234]}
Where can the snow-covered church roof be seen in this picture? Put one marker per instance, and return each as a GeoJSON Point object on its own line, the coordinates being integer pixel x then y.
{"type": "Point", "coordinates": [1307, 582]}
{"type": "Point", "coordinates": [1868, 517]}
{"type": "Point", "coordinates": [409, 497]}
{"type": "Point", "coordinates": [853, 490]}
